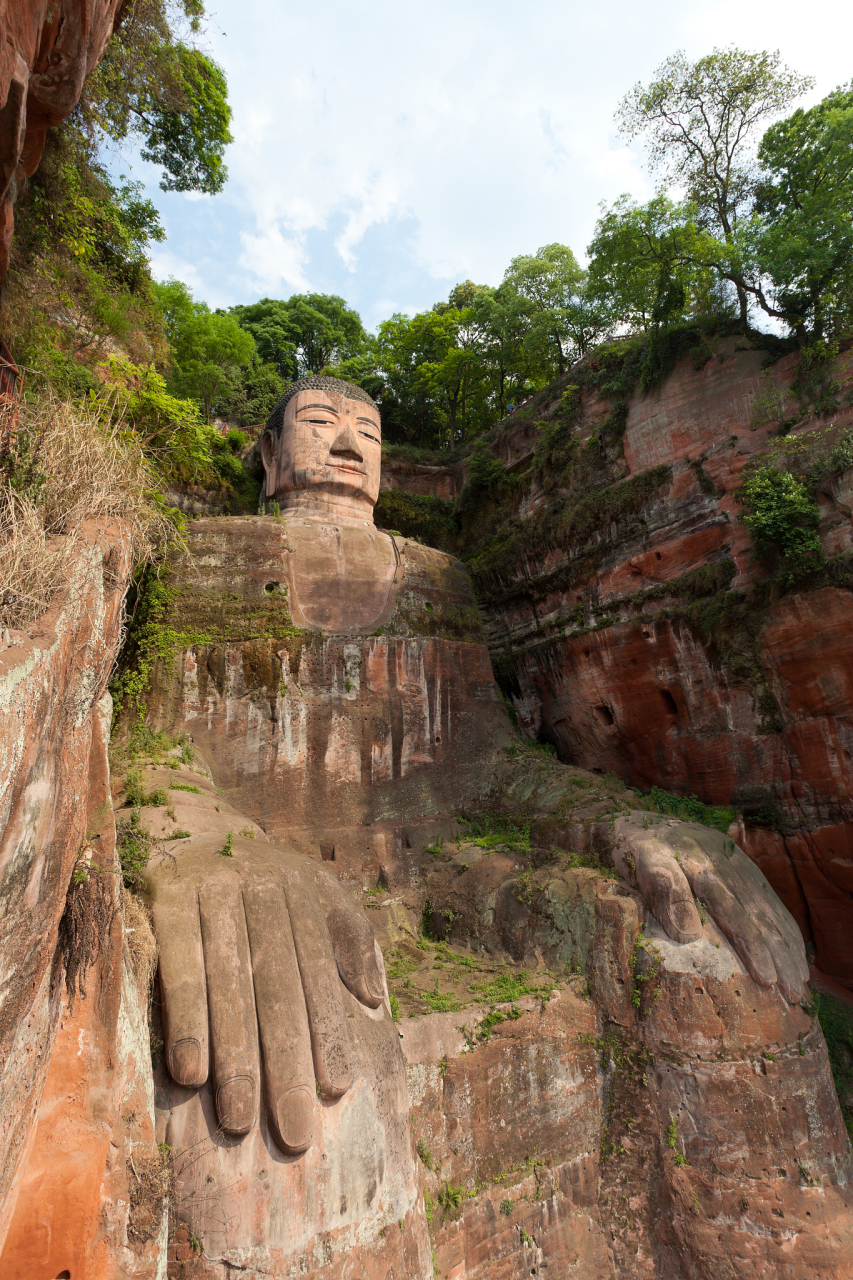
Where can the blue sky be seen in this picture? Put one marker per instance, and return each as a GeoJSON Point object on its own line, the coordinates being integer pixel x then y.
{"type": "Point", "coordinates": [384, 151]}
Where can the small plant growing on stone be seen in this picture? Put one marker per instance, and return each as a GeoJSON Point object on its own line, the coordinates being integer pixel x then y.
{"type": "Point", "coordinates": [744, 1203]}
{"type": "Point", "coordinates": [703, 911]}
{"type": "Point", "coordinates": [450, 1197]}
{"type": "Point", "coordinates": [424, 1154]}
{"type": "Point", "coordinates": [185, 786]}
{"type": "Point", "coordinates": [694, 1201]}
{"type": "Point", "coordinates": [395, 1007]}
{"type": "Point", "coordinates": [506, 1206]}
{"type": "Point", "coordinates": [227, 850]}
{"type": "Point", "coordinates": [248, 832]}
{"type": "Point", "coordinates": [180, 833]}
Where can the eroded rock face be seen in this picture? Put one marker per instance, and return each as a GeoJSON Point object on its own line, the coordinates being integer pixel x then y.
{"type": "Point", "coordinates": [46, 52]}
{"type": "Point", "coordinates": [627, 654]}
{"type": "Point", "coordinates": [77, 1099]}
{"type": "Point", "coordinates": [720, 1149]}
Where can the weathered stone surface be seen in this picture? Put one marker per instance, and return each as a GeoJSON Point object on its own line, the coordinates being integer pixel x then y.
{"type": "Point", "coordinates": [721, 1148]}
{"type": "Point", "coordinates": [738, 704]}
{"type": "Point", "coordinates": [46, 52]}
{"type": "Point", "coordinates": [514, 1125]}
{"type": "Point", "coordinates": [344, 739]}
{"type": "Point", "coordinates": [51, 677]}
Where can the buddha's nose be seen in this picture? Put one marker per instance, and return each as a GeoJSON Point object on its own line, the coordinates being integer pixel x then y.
{"type": "Point", "coordinates": [346, 445]}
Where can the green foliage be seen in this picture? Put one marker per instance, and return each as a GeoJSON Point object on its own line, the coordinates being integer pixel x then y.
{"type": "Point", "coordinates": [154, 86]}
{"type": "Point", "coordinates": [563, 319]}
{"type": "Point", "coordinates": [424, 1154]}
{"type": "Point", "coordinates": [688, 808]}
{"type": "Point", "coordinates": [189, 143]}
{"type": "Point", "coordinates": [227, 850]}
{"type": "Point", "coordinates": [698, 121]}
{"type": "Point", "coordinates": [642, 265]}
{"type": "Point", "coordinates": [304, 334]}
{"type": "Point", "coordinates": [506, 1206]}
{"type": "Point", "coordinates": [806, 202]}
{"type": "Point", "coordinates": [491, 829]}
{"type": "Point", "coordinates": [450, 1197]}
{"type": "Point", "coordinates": [782, 519]}
{"type": "Point", "coordinates": [421, 517]}
{"type": "Point", "coordinates": [395, 1007]}
{"type": "Point", "coordinates": [439, 1002]}
{"type": "Point", "coordinates": [134, 846]}
{"type": "Point", "coordinates": [208, 348]}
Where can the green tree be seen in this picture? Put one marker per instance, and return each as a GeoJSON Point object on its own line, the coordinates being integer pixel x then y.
{"type": "Point", "coordinates": [507, 361]}
{"type": "Point", "coordinates": [806, 202]}
{"type": "Point", "coordinates": [563, 321]}
{"type": "Point", "coordinates": [154, 86]}
{"type": "Point", "coordinates": [304, 334]}
{"type": "Point", "coordinates": [208, 348]}
{"type": "Point", "coordinates": [642, 263]}
{"type": "Point", "coordinates": [699, 121]}
{"type": "Point", "coordinates": [252, 393]}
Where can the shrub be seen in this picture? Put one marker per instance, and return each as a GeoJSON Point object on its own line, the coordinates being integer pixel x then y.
{"type": "Point", "coordinates": [782, 519]}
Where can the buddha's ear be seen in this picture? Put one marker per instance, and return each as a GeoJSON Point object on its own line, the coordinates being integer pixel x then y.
{"type": "Point", "coordinates": [269, 443]}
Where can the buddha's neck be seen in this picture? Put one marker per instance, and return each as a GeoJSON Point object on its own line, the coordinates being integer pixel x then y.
{"type": "Point", "coordinates": [322, 506]}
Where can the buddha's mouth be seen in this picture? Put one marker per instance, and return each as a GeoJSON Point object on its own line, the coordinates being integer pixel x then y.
{"type": "Point", "coordinates": [352, 467]}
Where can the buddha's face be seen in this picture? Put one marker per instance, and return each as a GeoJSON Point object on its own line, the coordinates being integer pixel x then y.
{"type": "Point", "coordinates": [328, 453]}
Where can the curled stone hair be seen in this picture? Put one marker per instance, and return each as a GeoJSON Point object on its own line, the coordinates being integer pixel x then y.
{"type": "Point", "coordinates": [315, 382]}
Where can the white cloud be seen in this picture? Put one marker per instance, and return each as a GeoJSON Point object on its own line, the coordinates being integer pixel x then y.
{"type": "Point", "coordinates": [384, 151]}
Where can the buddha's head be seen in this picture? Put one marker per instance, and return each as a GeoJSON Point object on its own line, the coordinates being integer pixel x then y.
{"type": "Point", "coordinates": [322, 450]}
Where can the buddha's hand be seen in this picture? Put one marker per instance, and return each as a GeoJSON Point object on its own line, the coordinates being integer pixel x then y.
{"type": "Point", "coordinates": [253, 948]}
{"type": "Point", "coordinates": [684, 870]}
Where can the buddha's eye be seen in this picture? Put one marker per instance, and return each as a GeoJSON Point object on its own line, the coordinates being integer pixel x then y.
{"type": "Point", "coordinates": [368, 436]}
{"type": "Point", "coordinates": [318, 422]}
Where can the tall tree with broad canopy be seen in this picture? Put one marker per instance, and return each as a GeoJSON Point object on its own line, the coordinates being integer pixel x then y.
{"type": "Point", "coordinates": [805, 200]}
{"type": "Point", "coordinates": [642, 268]}
{"type": "Point", "coordinates": [700, 122]}
{"type": "Point", "coordinates": [562, 320]}
{"type": "Point", "coordinates": [305, 333]}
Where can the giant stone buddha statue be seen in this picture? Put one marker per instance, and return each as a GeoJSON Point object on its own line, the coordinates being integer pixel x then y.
{"type": "Point", "coordinates": [335, 682]}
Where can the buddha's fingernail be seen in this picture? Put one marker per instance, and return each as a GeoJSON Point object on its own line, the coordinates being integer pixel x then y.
{"type": "Point", "coordinates": [236, 1105]}
{"type": "Point", "coordinates": [185, 1063]}
{"type": "Point", "coordinates": [294, 1120]}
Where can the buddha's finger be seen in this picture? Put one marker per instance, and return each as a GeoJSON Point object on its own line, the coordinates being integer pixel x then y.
{"type": "Point", "coordinates": [321, 985]}
{"type": "Point", "coordinates": [233, 1025]}
{"type": "Point", "coordinates": [286, 1062]}
{"type": "Point", "coordinates": [182, 984]}
{"type": "Point", "coordinates": [352, 938]}
{"type": "Point", "coordinates": [725, 903]}
{"type": "Point", "coordinates": [666, 891]}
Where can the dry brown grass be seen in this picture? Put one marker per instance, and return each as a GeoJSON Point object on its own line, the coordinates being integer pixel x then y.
{"type": "Point", "coordinates": [140, 941]}
{"type": "Point", "coordinates": [64, 465]}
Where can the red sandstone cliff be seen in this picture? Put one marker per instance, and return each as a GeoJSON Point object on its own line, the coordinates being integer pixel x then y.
{"type": "Point", "coordinates": [644, 644]}
{"type": "Point", "coordinates": [76, 1100]}
{"type": "Point", "coordinates": [47, 49]}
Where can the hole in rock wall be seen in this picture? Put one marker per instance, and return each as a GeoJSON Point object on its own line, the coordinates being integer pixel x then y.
{"type": "Point", "coordinates": [64, 1275]}
{"type": "Point", "coordinates": [603, 715]}
{"type": "Point", "coordinates": [669, 703]}
{"type": "Point", "coordinates": [657, 555]}
{"type": "Point", "coordinates": [271, 588]}
{"type": "Point", "coordinates": [327, 852]}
